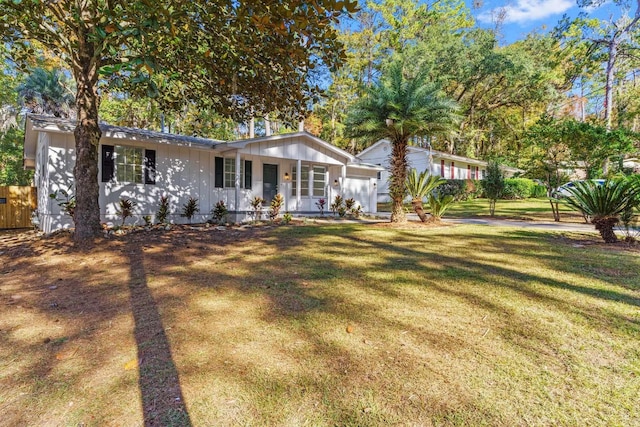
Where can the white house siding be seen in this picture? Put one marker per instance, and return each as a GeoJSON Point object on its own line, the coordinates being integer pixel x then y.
{"type": "Point", "coordinates": [186, 168]}
{"type": "Point", "coordinates": [420, 159]}
{"type": "Point", "coordinates": [361, 186]}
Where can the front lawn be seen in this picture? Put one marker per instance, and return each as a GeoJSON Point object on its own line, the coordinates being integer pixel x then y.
{"type": "Point", "coordinates": [526, 210]}
{"type": "Point", "coordinates": [344, 324]}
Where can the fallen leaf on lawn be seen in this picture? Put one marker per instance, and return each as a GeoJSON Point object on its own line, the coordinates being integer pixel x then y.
{"type": "Point", "coordinates": [66, 354]}
{"type": "Point", "coordinates": [131, 364]}
{"type": "Point", "coordinates": [349, 329]}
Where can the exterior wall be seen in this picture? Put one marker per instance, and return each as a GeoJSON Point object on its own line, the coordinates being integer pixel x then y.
{"type": "Point", "coordinates": [183, 172]}
{"type": "Point", "coordinates": [418, 158]}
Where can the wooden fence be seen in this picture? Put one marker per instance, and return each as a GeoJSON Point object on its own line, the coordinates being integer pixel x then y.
{"type": "Point", "coordinates": [16, 206]}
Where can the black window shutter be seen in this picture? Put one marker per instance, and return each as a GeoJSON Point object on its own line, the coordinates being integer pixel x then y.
{"type": "Point", "coordinates": [149, 166]}
{"type": "Point", "coordinates": [107, 163]}
{"type": "Point", "coordinates": [219, 172]}
{"type": "Point", "coordinates": [247, 174]}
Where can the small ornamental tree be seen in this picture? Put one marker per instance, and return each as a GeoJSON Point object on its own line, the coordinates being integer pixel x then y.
{"type": "Point", "coordinates": [605, 203]}
{"type": "Point", "coordinates": [493, 185]}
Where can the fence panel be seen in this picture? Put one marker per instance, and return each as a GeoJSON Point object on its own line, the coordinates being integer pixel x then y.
{"type": "Point", "coordinates": [16, 206]}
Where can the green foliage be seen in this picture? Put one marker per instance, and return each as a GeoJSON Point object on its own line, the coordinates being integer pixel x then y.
{"type": "Point", "coordinates": [190, 208]}
{"type": "Point", "coordinates": [147, 220]}
{"type": "Point", "coordinates": [421, 185]}
{"type": "Point", "coordinates": [438, 204]}
{"type": "Point", "coordinates": [460, 189]}
{"type": "Point", "coordinates": [539, 191]}
{"type": "Point", "coordinates": [493, 185]}
{"type": "Point", "coordinates": [605, 203]}
{"type": "Point", "coordinates": [125, 209]}
{"type": "Point", "coordinates": [286, 218]}
{"type": "Point", "coordinates": [11, 152]}
{"type": "Point", "coordinates": [47, 92]}
{"type": "Point", "coordinates": [518, 188]}
{"type": "Point", "coordinates": [398, 107]}
{"type": "Point", "coordinates": [220, 212]}
{"type": "Point", "coordinates": [276, 204]}
{"type": "Point", "coordinates": [163, 210]}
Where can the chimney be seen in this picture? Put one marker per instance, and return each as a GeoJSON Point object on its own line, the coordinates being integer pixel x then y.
{"type": "Point", "coordinates": [267, 127]}
{"type": "Point", "coordinates": [301, 126]}
{"type": "Point", "coordinates": [252, 128]}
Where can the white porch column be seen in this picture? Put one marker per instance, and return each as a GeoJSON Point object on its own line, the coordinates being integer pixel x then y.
{"type": "Point", "coordinates": [237, 205]}
{"type": "Point", "coordinates": [343, 177]}
{"type": "Point", "coordinates": [298, 184]}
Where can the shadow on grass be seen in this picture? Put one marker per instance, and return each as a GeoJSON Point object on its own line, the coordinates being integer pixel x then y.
{"type": "Point", "coordinates": [162, 399]}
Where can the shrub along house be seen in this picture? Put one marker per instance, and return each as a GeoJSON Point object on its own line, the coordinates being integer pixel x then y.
{"type": "Point", "coordinates": [448, 166]}
{"type": "Point", "coordinates": [143, 165]}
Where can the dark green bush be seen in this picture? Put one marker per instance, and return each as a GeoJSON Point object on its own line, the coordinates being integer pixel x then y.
{"type": "Point", "coordinates": [460, 189]}
{"type": "Point", "coordinates": [518, 188]}
{"type": "Point", "coordinates": [539, 192]}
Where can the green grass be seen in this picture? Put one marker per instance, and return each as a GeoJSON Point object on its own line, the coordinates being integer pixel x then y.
{"type": "Point", "coordinates": [350, 325]}
{"type": "Point", "coordinates": [527, 210]}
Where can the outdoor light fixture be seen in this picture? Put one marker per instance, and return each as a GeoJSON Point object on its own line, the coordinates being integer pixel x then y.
{"type": "Point", "coordinates": [335, 182]}
{"type": "Point", "coordinates": [286, 176]}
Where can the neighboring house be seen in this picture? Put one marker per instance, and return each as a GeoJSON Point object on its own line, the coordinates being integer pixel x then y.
{"type": "Point", "coordinates": [446, 165]}
{"type": "Point", "coordinates": [143, 166]}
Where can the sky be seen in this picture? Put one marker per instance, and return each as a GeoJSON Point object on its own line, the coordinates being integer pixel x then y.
{"type": "Point", "coordinates": [523, 16]}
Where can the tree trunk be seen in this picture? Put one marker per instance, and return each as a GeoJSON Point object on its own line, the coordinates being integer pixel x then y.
{"type": "Point", "coordinates": [417, 207]}
{"type": "Point", "coordinates": [605, 227]}
{"type": "Point", "coordinates": [555, 210]}
{"type": "Point", "coordinates": [492, 206]}
{"type": "Point", "coordinates": [87, 136]}
{"type": "Point", "coordinates": [397, 189]}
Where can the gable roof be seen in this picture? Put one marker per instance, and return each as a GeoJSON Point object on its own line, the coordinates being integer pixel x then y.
{"type": "Point", "coordinates": [437, 155]}
{"type": "Point", "coordinates": [242, 143]}
{"type": "Point", "coordinates": [38, 123]}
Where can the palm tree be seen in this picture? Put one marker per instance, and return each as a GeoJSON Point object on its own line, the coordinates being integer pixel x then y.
{"type": "Point", "coordinates": [604, 203]}
{"type": "Point", "coordinates": [398, 108]}
{"type": "Point", "coordinates": [420, 186]}
{"type": "Point", "coordinates": [48, 92]}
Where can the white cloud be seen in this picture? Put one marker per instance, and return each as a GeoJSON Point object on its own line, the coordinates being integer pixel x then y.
{"type": "Point", "coordinates": [522, 11]}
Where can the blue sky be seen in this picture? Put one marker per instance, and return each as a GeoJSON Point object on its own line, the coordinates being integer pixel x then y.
{"type": "Point", "coordinates": [524, 16]}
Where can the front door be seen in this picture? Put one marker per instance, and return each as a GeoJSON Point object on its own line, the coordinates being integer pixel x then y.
{"type": "Point", "coordinates": [269, 182]}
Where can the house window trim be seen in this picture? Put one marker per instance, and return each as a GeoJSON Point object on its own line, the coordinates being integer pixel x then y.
{"type": "Point", "coordinates": [119, 173]}
{"type": "Point", "coordinates": [308, 185]}
{"type": "Point", "coordinates": [246, 177]}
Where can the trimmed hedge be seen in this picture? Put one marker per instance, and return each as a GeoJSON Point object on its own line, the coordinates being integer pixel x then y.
{"type": "Point", "coordinates": [518, 188]}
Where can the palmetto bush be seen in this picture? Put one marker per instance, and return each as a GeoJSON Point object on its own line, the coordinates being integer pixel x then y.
{"type": "Point", "coordinates": [439, 203]}
{"type": "Point", "coordinates": [420, 186]}
{"type": "Point", "coordinates": [605, 203]}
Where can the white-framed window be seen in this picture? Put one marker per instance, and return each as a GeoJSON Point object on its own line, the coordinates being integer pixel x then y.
{"type": "Point", "coordinates": [304, 180]}
{"type": "Point", "coordinates": [230, 173]}
{"type": "Point", "coordinates": [128, 162]}
{"type": "Point", "coordinates": [319, 181]}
